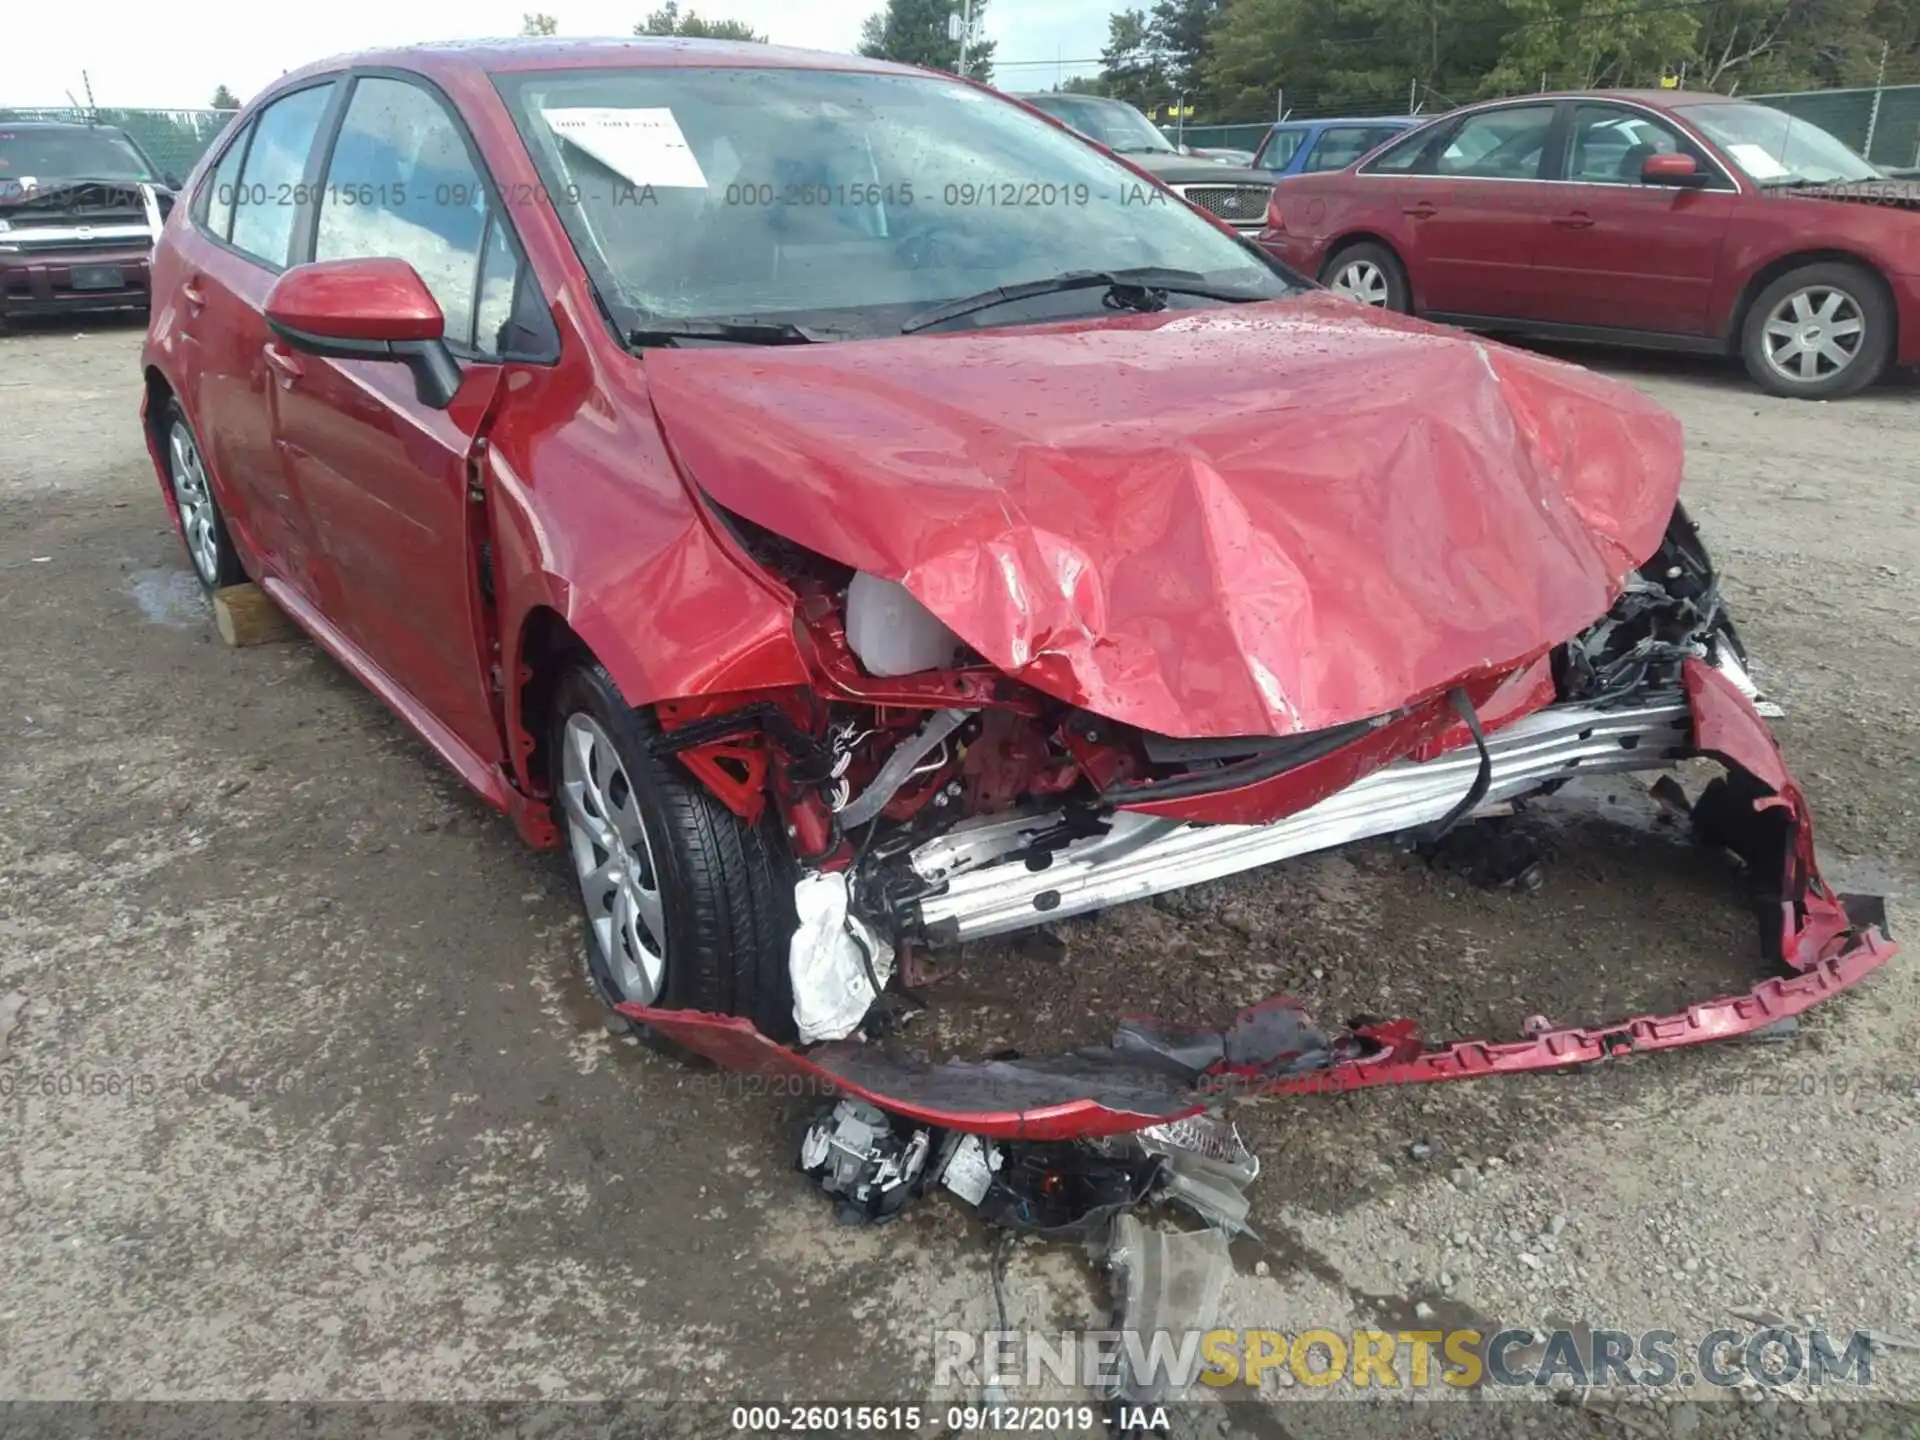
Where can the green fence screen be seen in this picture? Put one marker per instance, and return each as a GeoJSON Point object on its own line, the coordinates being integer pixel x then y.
{"type": "Point", "coordinates": [173, 139]}
{"type": "Point", "coordinates": [1849, 114]}
{"type": "Point", "coordinates": [1887, 136]}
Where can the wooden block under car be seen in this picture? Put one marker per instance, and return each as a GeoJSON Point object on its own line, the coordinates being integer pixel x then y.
{"type": "Point", "coordinates": [247, 617]}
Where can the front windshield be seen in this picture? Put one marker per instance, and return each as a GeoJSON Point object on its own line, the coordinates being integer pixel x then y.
{"type": "Point", "coordinates": [1119, 127]}
{"type": "Point", "coordinates": [850, 199]}
{"type": "Point", "coordinates": [75, 154]}
{"type": "Point", "coordinates": [1775, 148]}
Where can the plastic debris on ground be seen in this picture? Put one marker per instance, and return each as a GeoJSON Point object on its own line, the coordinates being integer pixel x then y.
{"type": "Point", "coordinates": [865, 1159]}
{"type": "Point", "coordinates": [872, 1164]}
{"type": "Point", "coordinates": [1162, 1283]}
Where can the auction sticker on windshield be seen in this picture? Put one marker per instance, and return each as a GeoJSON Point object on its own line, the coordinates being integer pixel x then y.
{"type": "Point", "coordinates": [644, 146]}
{"type": "Point", "coordinates": [1755, 160]}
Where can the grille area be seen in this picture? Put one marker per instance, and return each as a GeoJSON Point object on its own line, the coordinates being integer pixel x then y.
{"type": "Point", "coordinates": [1236, 204]}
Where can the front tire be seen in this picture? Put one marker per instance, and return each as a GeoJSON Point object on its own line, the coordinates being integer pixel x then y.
{"type": "Point", "coordinates": [1818, 333]}
{"type": "Point", "coordinates": [687, 906]}
{"type": "Point", "coordinates": [202, 526]}
{"type": "Point", "coordinates": [1370, 274]}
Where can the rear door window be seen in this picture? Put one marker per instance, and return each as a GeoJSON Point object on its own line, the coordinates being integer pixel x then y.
{"type": "Point", "coordinates": [1404, 158]}
{"type": "Point", "coordinates": [1503, 144]}
{"type": "Point", "coordinates": [1341, 145]}
{"type": "Point", "coordinates": [213, 206]}
{"type": "Point", "coordinates": [267, 199]}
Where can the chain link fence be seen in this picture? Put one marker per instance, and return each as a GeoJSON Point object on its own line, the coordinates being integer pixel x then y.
{"type": "Point", "coordinates": [172, 139]}
{"type": "Point", "coordinates": [1881, 123]}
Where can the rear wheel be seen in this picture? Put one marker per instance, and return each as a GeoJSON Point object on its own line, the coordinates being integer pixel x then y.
{"type": "Point", "coordinates": [1371, 274]}
{"type": "Point", "coordinates": [1819, 332]}
{"type": "Point", "coordinates": [687, 906]}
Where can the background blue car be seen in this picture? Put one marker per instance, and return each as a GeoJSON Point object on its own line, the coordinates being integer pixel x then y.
{"type": "Point", "coordinates": [1304, 147]}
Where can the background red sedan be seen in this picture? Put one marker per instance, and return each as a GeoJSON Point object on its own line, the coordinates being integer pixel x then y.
{"type": "Point", "coordinates": [1666, 219]}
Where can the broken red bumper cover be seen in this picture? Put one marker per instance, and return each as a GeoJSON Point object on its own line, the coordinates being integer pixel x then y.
{"type": "Point", "coordinates": [1151, 1073]}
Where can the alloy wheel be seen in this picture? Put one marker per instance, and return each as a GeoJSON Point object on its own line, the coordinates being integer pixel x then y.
{"type": "Point", "coordinates": [1813, 334]}
{"type": "Point", "coordinates": [195, 499]}
{"type": "Point", "coordinates": [613, 858]}
{"type": "Point", "coordinates": [1364, 281]}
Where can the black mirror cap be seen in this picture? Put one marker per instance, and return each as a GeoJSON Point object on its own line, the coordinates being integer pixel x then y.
{"type": "Point", "coordinates": [436, 374]}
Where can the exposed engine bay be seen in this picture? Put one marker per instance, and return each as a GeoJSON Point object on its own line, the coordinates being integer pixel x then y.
{"type": "Point", "coordinates": [962, 804]}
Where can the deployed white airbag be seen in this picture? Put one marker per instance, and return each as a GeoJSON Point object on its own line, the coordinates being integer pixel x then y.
{"type": "Point", "coordinates": [831, 991]}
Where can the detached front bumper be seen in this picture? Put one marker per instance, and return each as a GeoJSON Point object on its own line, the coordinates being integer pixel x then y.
{"type": "Point", "coordinates": [1816, 941]}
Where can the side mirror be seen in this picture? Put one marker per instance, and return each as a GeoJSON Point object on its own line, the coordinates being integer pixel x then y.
{"type": "Point", "coordinates": [1678, 170]}
{"type": "Point", "coordinates": [171, 181]}
{"type": "Point", "coordinates": [367, 310]}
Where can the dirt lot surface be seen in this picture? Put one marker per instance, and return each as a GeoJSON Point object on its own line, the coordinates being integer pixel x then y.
{"type": "Point", "coordinates": [309, 1098]}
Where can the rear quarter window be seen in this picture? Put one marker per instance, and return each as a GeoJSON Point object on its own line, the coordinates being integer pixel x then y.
{"type": "Point", "coordinates": [213, 206]}
{"type": "Point", "coordinates": [1402, 158]}
{"type": "Point", "coordinates": [1281, 147]}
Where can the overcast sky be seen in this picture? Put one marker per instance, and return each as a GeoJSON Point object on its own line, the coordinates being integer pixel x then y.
{"type": "Point", "coordinates": [174, 54]}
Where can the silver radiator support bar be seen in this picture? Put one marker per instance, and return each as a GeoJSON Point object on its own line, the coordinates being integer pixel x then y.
{"type": "Point", "coordinates": [1143, 855]}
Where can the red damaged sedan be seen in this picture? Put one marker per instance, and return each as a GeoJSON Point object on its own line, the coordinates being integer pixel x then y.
{"type": "Point", "coordinates": [1665, 219]}
{"type": "Point", "coordinates": [831, 503]}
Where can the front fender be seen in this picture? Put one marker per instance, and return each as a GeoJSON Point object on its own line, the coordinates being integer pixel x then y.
{"type": "Point", "coordinates": [591, 521]}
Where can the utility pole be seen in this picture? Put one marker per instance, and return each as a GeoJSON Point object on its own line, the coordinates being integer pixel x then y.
{"type": "Point", "coordinates": [1873, 115]}
{"type": "Point", "coordinates": [966, 32]}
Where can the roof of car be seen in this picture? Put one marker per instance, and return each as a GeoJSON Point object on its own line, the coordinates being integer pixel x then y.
{"type": "Point", "coordinates": [13, 126]}
{"type": "Point", "coordinates": [1033, 97]}
{"type": "Point", "coordinates": [1325, 120]}
{"type": "Point", "coordinates": [1663, 98]}
{"type": "Point", "coordinates": [608, 52]}
{"type": "Point", "coordinates": [1652, 99]}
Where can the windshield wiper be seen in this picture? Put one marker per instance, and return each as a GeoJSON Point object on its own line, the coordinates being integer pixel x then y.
{"type": "Point", "coordinates": [737, 332]}
{"type": "Point", "coordinates": [1144, 288]}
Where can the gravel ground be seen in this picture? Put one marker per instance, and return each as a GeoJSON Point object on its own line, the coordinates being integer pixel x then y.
{"type": "Point", "coordinates": [308, 1098]}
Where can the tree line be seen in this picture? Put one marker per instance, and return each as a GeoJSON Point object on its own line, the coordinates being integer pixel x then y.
{"type": "Point", "coordinates": [1235, 60]}
{"type": "Point", "coordinates": [1241, 60]}
{"type": "Point", "coordinates": [913, 32]}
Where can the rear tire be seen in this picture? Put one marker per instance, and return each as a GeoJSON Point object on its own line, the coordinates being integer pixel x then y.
{"type": "Point", "coordinates": [1819, 332]}
{"type": "Point", "coordinates": [1370, 274]}
{"type": "Point", "coordinates": [687, 906]}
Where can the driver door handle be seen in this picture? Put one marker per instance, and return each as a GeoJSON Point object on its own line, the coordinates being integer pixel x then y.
{"type": "Point", "coordinates": [1578, 220]}
{"type": "Point", "coordinates": [1420, 209]}
{"type": "Point", "coordinates": [289, 366]}
{"type": "Point", "coordinates": [193, 295]}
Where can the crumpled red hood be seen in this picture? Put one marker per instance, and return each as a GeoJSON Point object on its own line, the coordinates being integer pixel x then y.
{"type": "Point", "coordinates": [1257, 519]}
